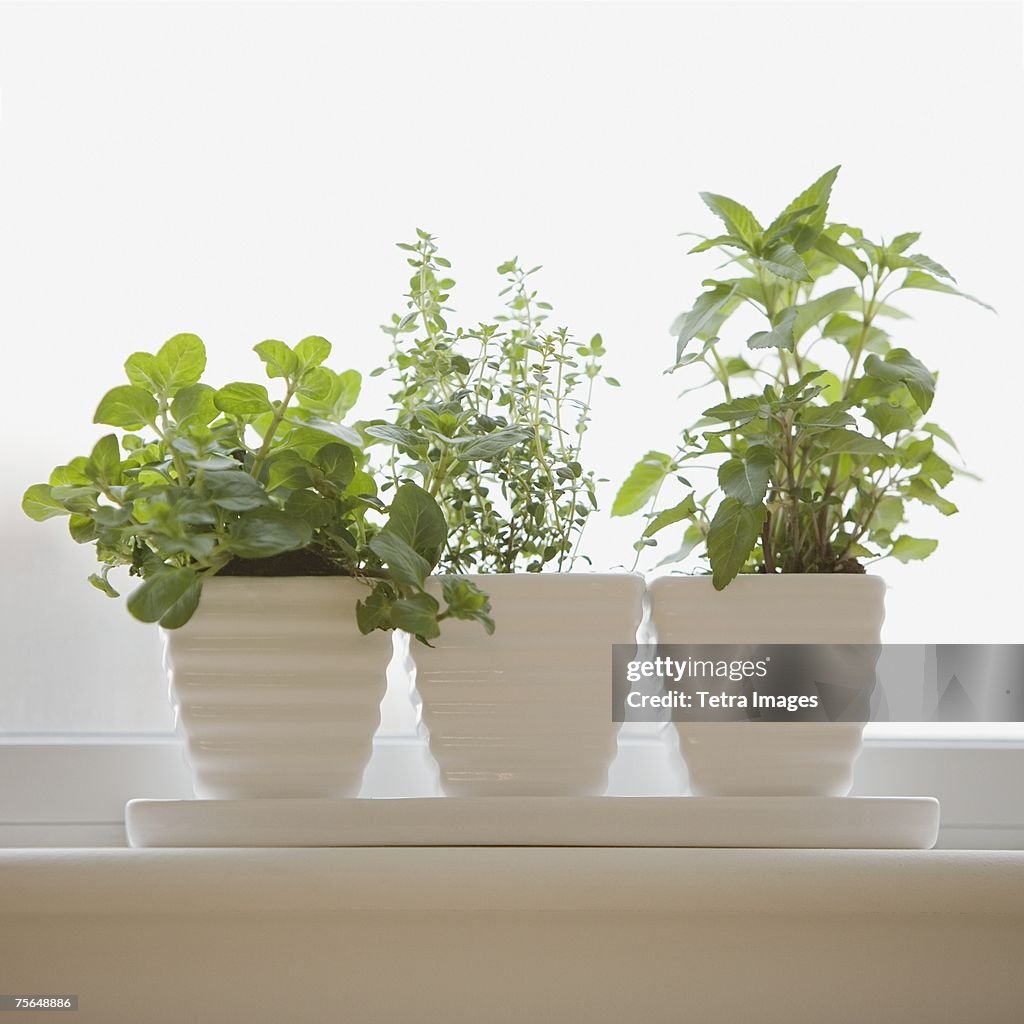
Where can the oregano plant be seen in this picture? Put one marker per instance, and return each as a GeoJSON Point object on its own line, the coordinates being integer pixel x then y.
{"type": "Point", "coordinates": [821, 435]}
{"type": "Point", "coordinates": [198, 481]}
{"type": "Point", "coordinates": [490, 420]}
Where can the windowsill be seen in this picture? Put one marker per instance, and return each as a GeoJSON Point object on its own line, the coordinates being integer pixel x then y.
{"type": "Point", "coordinates": [506, 935]}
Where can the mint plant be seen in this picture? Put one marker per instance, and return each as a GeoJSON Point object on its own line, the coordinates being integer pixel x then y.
{"type": "Point", "coordinates": [198, 482]}
{"type": "Point", "coordinates": [491, 419]}
{"type": "Point", "coordinates": [816, 458]}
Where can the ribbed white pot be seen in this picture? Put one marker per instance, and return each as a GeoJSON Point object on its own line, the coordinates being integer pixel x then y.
{"type": "Point", "coordinates": [745, 758]}
{"type": "Point", "coordinates": [528, 711]}
{"type": "Point", "coordinates": [275, 689]}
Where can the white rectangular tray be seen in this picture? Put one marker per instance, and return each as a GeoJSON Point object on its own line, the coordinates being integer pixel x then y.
{"type": "Point", "coordinates": [783, 822]}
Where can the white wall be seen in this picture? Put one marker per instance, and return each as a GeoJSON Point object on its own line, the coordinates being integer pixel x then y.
{"type": "Point", "coordinates": [242, 172]}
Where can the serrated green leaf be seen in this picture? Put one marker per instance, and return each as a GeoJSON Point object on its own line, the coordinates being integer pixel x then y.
{"type": "Point", "coordinates": [784, 261]}
{"type": "Point", "coordinates": [194, 404]}
{"type": "Point", "coordinates": [747, 478]}
{"type": "Point", "coordinates": [919, 279]}
{"type": "Point", "coordinates": [780, 336]}
{"type": "Point", "coordinates": [732, 536]}
{"type": "Point", "coordinates": [739, 221]}
{"type": "Point", "coordinates": [841, 254]}
{"type": "Point", "coordinates": [669, 516]}
{"type": "Point", "coordinates": [814, 311]}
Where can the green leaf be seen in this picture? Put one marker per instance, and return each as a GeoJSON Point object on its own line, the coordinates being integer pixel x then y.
{"type": "Point", "coordinates": [267, 532]}
{"type": "Point", "coordinates": [184, 608]}
{"type": "Point", "coordinates": [337, 463]}
{"type": "Point", "coordinates": [311, 507]}
{"type": "Point", "coordinates": [235, 490]}
{"type": "Point", "coordinates": [739, 410]}
{"type": "Point", "coordinates": [889, 419]}
{"type": "Point", "coordinates": [490, 446]}
{"type": "Point", "coordinates": [900, 365]}
{"type": "Point", "coordinates": [888, 514]}
{"type": "Point", "coordinates": [814, 199]}
{"type": "Point", "coordinates": [127, 406]}
{"type": "Point", "coordinates": [312, 351]}
{"type": "Point", "coordinates": [902, 242]}
{"type": "Point", "coordinates": [929, 266]}
{"type": "Point", "coordinates": [929, 428]}
{"type": "Point", "coordinates": [416, 518]}
{"type": "Point", "coordinates": [784, 261]}
{"type": "Point", "coordinates": [813, 312]}
{"type": "Point", "coordinates": [144, 372]}
{"type": "Point", "coordinates": [242, 399]}
{"type": "Point", "coordinates": [278, 358]}
{"type": "Point", "coordinates": [642, 483]}
{"type": "Point", "coordinates": [921, 490]}
{"type": "Point", "coordinates": [159, 595]}
{"type": "Point", "coordinates": [712, 243]}
{"type": "Point", "coordinates": [194, 404]}
{"type": "Point", "coordinates": [416, 615]}
{"type": "Point", "coordinates": [910, 549]}
{"type": "Point", "coordinates": [747, 478]}
{"type": "Point", "coordinates": [405, 565]}
{"type": "Point", "coordinates": [704, 318]}
{"type": "Point", "coordinates": [288, 469]}
{"type": "Point", "coordinates": [733, 533]}
{"type": "Point", "coordinates": [38, 503]}
{"type": "Point", "coordinates": [336, 430]}
{"type": "Point", "coordinates": [404, 438]}
{"type": "Point", "coordinates": [780, 336]}
{"type": "Point", "coordinates": [840, 441]}
{"type": "Point", "coordinates": [106, 459]}
{"type": "Point", "coordinates": [465, 600]}
{"type": "Point", "coordinates": [739, 221]}
{"type": "Point", "coordinates": [100, 582]}
{"type": "Point", "coordinates": [181, 361]}
{"type": "Point", "coordinates": [842, 254]}
{"type": "Point", "coordinates": [917, 279]}
{"type": "Point", "coordinates": [669, 516]}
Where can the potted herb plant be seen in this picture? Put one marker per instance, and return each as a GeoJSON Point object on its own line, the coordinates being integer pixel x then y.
{"type": "Point", "coordinates": [490, 421]}
{"type": "Point", "coordinates": [820, 441]}
{"type": "Point", "coordinates": [266, 556]}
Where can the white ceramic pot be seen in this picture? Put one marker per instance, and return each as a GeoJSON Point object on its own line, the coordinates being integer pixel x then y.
{"type": "Point", "coordinates": [275, 689]}
{"type": "Point", "coordinates": [528, 711]}
{"type": "Point", "coordinates": [742, 758]}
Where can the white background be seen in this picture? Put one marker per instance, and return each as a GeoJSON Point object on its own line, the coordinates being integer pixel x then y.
{"type": "Point", "coordinates": [242, 171]}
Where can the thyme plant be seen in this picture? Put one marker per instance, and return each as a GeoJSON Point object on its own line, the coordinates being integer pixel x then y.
{"type": "Point", "coordinates": [821, 436]}
{"type": "Point", "coordinates": [201, 481]}
{"type": "Point", "coordinates": [491, 420]}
